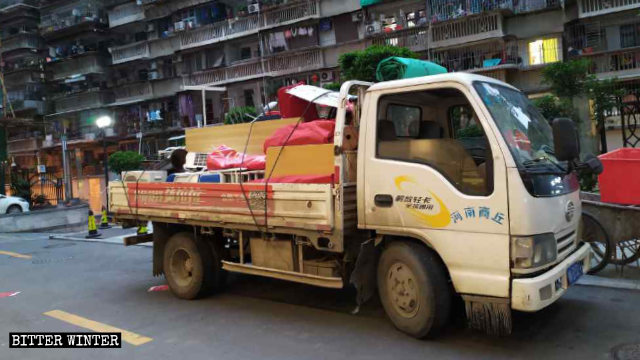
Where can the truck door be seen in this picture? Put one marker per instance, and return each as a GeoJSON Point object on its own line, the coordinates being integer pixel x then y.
{"type": "Point", "coordinates": [433, 171]}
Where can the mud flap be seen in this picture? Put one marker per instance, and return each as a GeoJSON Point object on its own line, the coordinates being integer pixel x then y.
{"type": "Point", "coordinates": [363, 277]}
{"type": "Point", "coordinates": [161, 235]}
{"type": "Point", "coordinates": [488, 314]}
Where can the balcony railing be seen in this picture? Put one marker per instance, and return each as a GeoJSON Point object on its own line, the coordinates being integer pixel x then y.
{"type": "Point", "coordinates": [69, 14]}
{"type": "Point", "coordinates": [7, 5]}
{"type": "Point", "coordinates": [83, 101]}
{"type": "Point", "coordinates": [24, 63]}
{"type": "Point", "coordinates": [130, 52]}
{"type": "Point", "coordinates": [467, 30]}
{"type": "Point", "coordinates": [416, 39]}
{"type": "Point", "coordinates": [443, 10]}
{"type": "Point", "coordinates": [587, 8]}
{"type": "Point", "coordinates": [125, 14]}
{"type": "Point", "coordinates": [479, 58]}
{"type": "Point", "coordinates": [95, 63]}
{"type": "Point", "coordinates": [233, 28]}
{"type": "Point", "coordinates": [148, 90]}
{"type": "Point", "coordinates": [136, 91]}
{"type": "Point", "coordinates": [524, 6]}
{"type": "Point", "coordinates": [23, 145]}
{"type": "Point", "coordinates": [272, 66]}
{"type": "Point", "coordinates": [22, 41]}
{"type": "Point", "coordinates": [616, 64]}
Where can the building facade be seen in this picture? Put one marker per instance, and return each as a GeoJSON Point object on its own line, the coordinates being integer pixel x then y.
{"type": "Point", "coordinates": [158, 66]}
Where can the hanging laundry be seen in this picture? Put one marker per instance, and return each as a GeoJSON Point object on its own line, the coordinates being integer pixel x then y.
{"type": "Point", "coordinates": [310, 31]}
{"type": "Point", "coordinates": [302, 31]}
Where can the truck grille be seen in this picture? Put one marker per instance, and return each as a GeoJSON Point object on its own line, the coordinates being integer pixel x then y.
{"type": "Point", "coordinates": [566, 244]}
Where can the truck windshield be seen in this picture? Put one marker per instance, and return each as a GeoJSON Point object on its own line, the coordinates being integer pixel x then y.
{"type": "Point", "coordinates": [525, 130]}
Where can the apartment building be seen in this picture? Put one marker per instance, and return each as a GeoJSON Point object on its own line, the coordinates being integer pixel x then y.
{"type": "Point", "coordinates": [159, 66]}
{"type": "Point", "coordinates": [22, 52]}
{"type": "Point", "coordinates": [608, 33]}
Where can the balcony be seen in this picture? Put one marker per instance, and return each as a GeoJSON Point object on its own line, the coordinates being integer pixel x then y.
{"type": "Point", "coordinates": [88, 63]}
{"type": "Point", "coordinates": [479, 58]}
{"type": "Point", "coordinates": [129, 52]}
{"type": "Point", "coordinates": [125, 14]}
{"type": "Point", "coordinates": [289, 63]}
{"type": "Point", "coordinates": [83, 101]}
{"type": "Point", "coordinates": [466, 30]}
{"type": "Point", "coordinates": [416, 39]}
{"type": "Point", "coordinates": [30, 144]}
{"type": "Point", "coordinates": [147, 90]}
{"type": "Point", "coordinates": [588, 8]}
{"type": "Point", "coordinates": [60, 20]}
{"type": "Point", "coordinates": [22, 41]}
{"type": "Point", "coordinates": [619, 64]}
{"type": "Point", "coordinates": [243, 26]}
{"type": "Point", "coordinates": [9, 5]}
{"type": "Point", "coordinates": [33, 63]}
{"type": "Point", "coordinates": [525, 6]}
{"type": "Point", "coordinates": [444, 10]}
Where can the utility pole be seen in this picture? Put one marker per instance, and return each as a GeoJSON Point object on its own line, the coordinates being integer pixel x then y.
{"type": "Point", "coordinates": [4, 156]}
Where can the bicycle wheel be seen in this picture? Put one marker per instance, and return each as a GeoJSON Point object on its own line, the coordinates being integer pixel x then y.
{"type": "Point", "coordinates": [596, 236]}
{"type": "Point", "coordinates": [625, 252]}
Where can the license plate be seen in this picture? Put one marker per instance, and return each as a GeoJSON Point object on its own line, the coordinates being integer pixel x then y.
{"type": "Point", "coordinates": [574, 272]}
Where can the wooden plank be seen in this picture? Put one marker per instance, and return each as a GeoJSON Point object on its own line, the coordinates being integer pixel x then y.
{"type": "Point", "coordinates": [300, 160]}
{"type": "Point", "coordinates": [137, 239]}
{"type": "Point", "coordinates": [205, 139]}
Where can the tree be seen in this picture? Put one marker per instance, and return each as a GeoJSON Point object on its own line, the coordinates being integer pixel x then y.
{"type": "Point", "coordinates": [604, 95]}
{"type": "Point", "coordinates": [121, 161]}
{"type": "Point", "coordinates": [567, 79]}
{"type": "Point", "coordinates": [552, 107]}
{"type": "Point", "coordinates": [240, 114]}
{"type": "Point", "coordinates": [362, 64]}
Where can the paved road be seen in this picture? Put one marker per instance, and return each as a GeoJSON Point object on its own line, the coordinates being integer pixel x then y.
{"type": "Point", "coordinates": [267, 319]}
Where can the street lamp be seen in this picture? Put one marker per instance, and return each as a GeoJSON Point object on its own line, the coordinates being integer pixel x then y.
{"type": "Point", "coordinates": [103, 123]}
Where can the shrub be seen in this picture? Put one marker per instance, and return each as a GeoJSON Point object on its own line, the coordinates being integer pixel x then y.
{"type": "Point", "coordinates": [125, 161]}
{"type": "Point", "coordinates": [362, 64]}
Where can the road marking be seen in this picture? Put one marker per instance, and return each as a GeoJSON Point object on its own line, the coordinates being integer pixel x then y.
{"type": "Point", "coordinates": [15, 255]}
{"type": "Point", "coordinates": [9, 294]}
{"type": "Point", "coordinates": [128, 336]}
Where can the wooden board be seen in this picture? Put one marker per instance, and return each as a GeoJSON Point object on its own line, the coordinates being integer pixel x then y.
{"type": "Point", "coordinates": [300, 160]}
{"type": "Point", "coordinates": [205, 139]}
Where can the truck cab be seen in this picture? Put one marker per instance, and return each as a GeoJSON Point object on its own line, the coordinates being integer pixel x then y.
{"type": "Point", "coordinates": [465, 164]}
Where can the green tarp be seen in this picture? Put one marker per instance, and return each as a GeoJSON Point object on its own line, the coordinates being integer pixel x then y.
{"type": "Point", "coordinates": [395, 68]}
{"type": "Point", "coordinates": [369, 2]}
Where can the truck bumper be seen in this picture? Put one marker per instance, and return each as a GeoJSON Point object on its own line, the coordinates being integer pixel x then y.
{"type": "Point", "coordinates": [533, 294]}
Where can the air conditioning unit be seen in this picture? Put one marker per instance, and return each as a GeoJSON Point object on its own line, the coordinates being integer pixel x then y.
{"type": "Point", "coordinates": [195, 161]}
{"type": "Point", "coordinates": [179, 26]}
{"type": "Point", "coordinates": [326, 76]}
{"type": "Point", "coordinates": [144, 176]}
{"type": "Point", "coordinates": [253, 8]}
{"type": "Point", "coordinates": [357, 16]}
{"type": "Point", "coordinates": [373, 28]}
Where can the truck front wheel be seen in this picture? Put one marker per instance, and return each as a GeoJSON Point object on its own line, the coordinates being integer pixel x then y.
{"type": "Point", "coordinates": [189, 266]}
{"type": "Point", "coordinates": [413, 289]}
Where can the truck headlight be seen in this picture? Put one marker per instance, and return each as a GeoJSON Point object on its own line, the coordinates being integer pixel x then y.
{"type": "Point", "coordinates": [533, 251]}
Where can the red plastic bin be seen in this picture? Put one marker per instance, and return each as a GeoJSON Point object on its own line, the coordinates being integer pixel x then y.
{"type": "Point", "coordinates": [620, 180]}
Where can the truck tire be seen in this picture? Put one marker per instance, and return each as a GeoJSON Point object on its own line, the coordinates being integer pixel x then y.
{"type": "Point", "coordinates": [189, 267]}
{"type": "Point", "coordinates": [414, 289]}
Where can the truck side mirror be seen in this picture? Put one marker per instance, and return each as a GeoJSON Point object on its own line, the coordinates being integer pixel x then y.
{"type": "Point", "coordinates": [593, 164]}
{"type": "Point", "coordinates": [565, 139]}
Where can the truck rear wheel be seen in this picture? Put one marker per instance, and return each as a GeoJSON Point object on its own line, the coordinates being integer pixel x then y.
{"type": "Point", "coordinates": [189, 266]}
{"type": "Point", "coordinates": [413, 289]}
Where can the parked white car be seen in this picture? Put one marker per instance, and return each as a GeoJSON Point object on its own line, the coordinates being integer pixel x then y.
{"type": "Point", "coordinates": [13, 205]}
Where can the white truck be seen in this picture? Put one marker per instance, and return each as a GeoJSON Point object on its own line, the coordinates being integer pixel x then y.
{"type": "Point", "coordinates": [454, 187]}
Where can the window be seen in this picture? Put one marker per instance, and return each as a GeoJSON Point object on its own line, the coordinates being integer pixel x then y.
{"type": "Point", "coordinates": [245, 53]}
{"type": "Point", "coordinates": [543, 51]}
{"type": "Point", "coordinates": [405, 119]}
{"type": "Point", "coordinates": [248, 97]}
{"type": "Point", "coordinates": [437, 128]}
{"type": "Point", "coordinates": [630, 35]}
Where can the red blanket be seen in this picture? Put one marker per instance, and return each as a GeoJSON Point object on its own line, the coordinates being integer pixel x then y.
{"type": "Point", "coordinates": [313, 132]}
